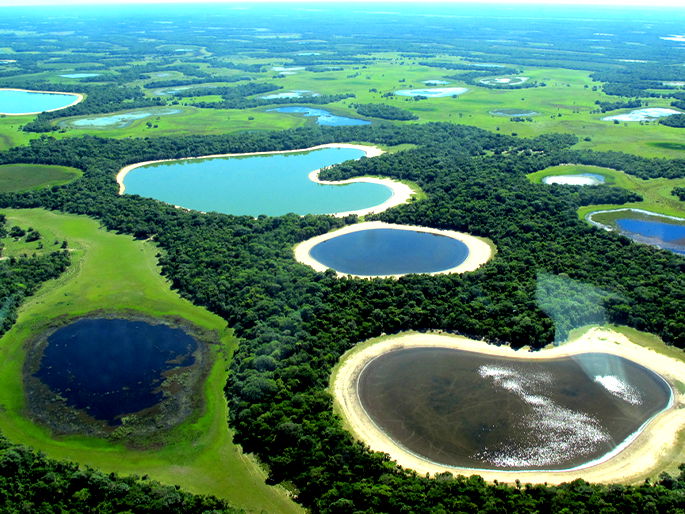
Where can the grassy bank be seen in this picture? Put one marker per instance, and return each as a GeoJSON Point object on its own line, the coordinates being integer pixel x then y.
{"type": "Point", "coordinates": [114, 272]}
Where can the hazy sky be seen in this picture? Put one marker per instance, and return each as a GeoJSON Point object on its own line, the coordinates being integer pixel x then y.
{"type": "Point", "coordinates": [618, 3]}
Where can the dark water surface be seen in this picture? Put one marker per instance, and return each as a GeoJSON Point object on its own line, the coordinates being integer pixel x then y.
{"type": "Point", "coordinates": [668, 236]}
{"type": "Point", "coordinates": [112, 367]}
{"type": "Point", "coordinates": [388, 251]}
{"type": "Point", "coordinates": [472, 410]}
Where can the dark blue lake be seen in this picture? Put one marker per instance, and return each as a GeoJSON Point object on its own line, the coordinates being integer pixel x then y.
{"type": "Point", "coordinates": [323, 117]}
{"type": "Point", "coordinates": [668, 236]}
{"type": "Point", "coordinates": [387, 251]}
{"type": "Point", "coordinates": [113, 367]}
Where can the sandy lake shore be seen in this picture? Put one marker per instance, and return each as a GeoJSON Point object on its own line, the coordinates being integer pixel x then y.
{"type": "Point", "coordinates": [401, 192]}
{"type": "Point", "coordinates": [479, 251]}
{"type": "Point", "coordinates": [79, 98]}
{"type": "Point", "coordinates": [644, 456]}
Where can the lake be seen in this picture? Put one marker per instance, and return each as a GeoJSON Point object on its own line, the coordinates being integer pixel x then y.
{"type": "Point", "coordinates": [323, 117]}
{"type": "Point", "coordinates": [295, 93]}
{"type": "Point", "coordinates": [580, 179]}
{"type": "Point", "coordinates": [387, 251]}
{"type": "Point", "coordinates": [14, 101]}
{"type": "Point", "coordinates": [645, 227]}
{"type": "Point", "coordinates": [79, 75]}
{"type": "Point", "coordinates": [513, 113]}
{"type": "Point", "coordinates": [113, 367]}
{"type": "Point", "coordinates": [472, 410]}
{"type": "Point", "coordinates": [437, 92]}
{"type": "Point", "coordinates": [273, 185]}
{"type": "Point", "coordinates": [118, 120]}
{"type": "Point", "coordinates": [648, 114]}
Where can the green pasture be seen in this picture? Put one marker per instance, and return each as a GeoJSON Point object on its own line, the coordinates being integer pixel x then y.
{"type": "Point", "coordinates": [117, 273]}
{"type": "Point", "coordinates": [24, 177]}
{"type": "Point", "coordinates": [656, 193]}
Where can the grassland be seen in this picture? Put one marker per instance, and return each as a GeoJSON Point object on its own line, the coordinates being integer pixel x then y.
{"type": "Point", "coordinates": [115, 273]}
{"type": "Point", "coordinates": [24, 177]}
{"type": "Point", "coordinates": [656, 193]}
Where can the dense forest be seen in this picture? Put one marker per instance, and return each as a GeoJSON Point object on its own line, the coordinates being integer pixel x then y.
{"type": "Point", "coordinates": [294, 323]}
{"type": "Point", "coordinates": [675, 120]}
{"type": "Point", "coordinates": [385, 112]}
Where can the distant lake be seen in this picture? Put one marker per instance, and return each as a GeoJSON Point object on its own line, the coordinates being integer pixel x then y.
{"type": "Point", "coordinates": [113, 367]}
{"type": "Point", "coordinates": [580, 179]}
{"type": "Point", "coordinates": [387, 251]}
{"type": "Point", "coordinates": [647, 114]}
{"type": "Point", "coordinates": [479, 411]}
{"type": "Point", "coordinates": [118, 120]}
{"type": "Point", "coordinates": [295, 93]}
{"type": "Point", "coordinates": [263, 184]}
{"type": "Point", "coordinates": [79, 75]}
{"type": "Point", "coordinates": [645, 227]}
{"type": "Point", "coordinates": [514, 113]}
{"type": "Point", "coordinates": [13, 101]}
{"type": "Point", "coordinates": [436, 92]}
{"type": "Point", "coordinates": [323, 117]}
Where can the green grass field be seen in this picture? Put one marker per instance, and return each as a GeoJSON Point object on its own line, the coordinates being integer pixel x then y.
{"type": "Point", "coordinates": [24, 177]}
{"type": "Point", "coordinates": [655, 192]}
{"type": "Point", "coordinates": [114, 273]}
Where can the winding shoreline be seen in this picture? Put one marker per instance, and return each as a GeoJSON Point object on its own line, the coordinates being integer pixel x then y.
{"type": "Point", "coordinates": [401, 193]}
{"type": "Point", "coordinates": [79, 98]}
{"type": "Point", "coordinates": [644, 452]}
{"type": "Point", "coordinates": [479, 251]}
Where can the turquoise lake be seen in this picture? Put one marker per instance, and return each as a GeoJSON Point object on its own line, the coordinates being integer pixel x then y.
{"type": "Point", "coordinates": [390, 251]}
{"type": "Point", "coordinates": [20, 102]}
{"type": "Point", "coordinates": [263, 184]}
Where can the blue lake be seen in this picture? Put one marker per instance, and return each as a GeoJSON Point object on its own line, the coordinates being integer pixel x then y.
{"type": "Point", "coordinates": [263, 184]}
{"type": "Point", "coordinates": [13, 101]}
{"type": "Point", "coordinates": [118, 120]}
{"type": "Point", "coordinates": [668, 236]}
{"type": "Point", "coordinates": [113, 367]}
{"type": "Point", "coordinates": [388, 251]}
{"type": "Point", "coordinates": [323, 117]}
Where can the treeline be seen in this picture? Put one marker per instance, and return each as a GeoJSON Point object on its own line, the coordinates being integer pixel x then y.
{"type": "Point", "coordinates": [386, 112]}
{"type": "Point", "coordinates": [680, 193]}
{"type": "Point", "coordinates": [674, 120]}
{"type": "Point", "coordinates": [612, 106]}
{"type": "Point", "coordinates": [485, 69]}
{"type": "Point", "coordinates": [99, 100]}
{"type": "Point", "coordinates": [31, 482]}
{"type": "Point", "coordinates": [234, 100]}
{"type": "Point", "coordinates": [192, 82]}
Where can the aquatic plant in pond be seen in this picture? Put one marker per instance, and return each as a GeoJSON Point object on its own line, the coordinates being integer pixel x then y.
{"type": "Point", "coordinates": [387, 251]}
{"type": "Point", "coordinates": [473, 410]}
{"type": "Point", "coordinates": [274, 184]}
{"type": "Point", "coordinates": [113, 367]}
{"type": "Point", "coordinates": [15, 101]}
{"type": "Point", "coordinates": [437, 92]}
{"type": "Point", "coordinates": [648, 114]}
{"type": "Point", "coordinates": [323, 117]}
{"type": "Point", "coordinates": [513, 113]}
{"type": "Point", "coordinates": [580, 179]}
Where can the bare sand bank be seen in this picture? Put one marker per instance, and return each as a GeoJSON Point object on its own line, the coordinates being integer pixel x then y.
{"type": "Point", "coordinates": [647, 454]}
{"type": "Point", "coordinates": [79, 98]}
{"type": "Point", "coordinates": [479, 251]}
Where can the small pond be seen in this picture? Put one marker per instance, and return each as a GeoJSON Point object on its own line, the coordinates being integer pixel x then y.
{"type": "Point", "coordinates": [113, 367]}
{"type": "Point", "coordinates": [322, 117]}
{"type": "Point", "coordinates": [262, 184]}
{"type": "Point", "coordinates": [513, 113]}
{"type": "Point", "coordinates": [79, 75]}
{"type": "Point", "coordinates": [14, 101]}
{"type": "Point", "coordinates": [473, 410]}
{"type": "Point", "coordinates": [503, 81]}
{"type": "Point", "coordinates": [437, 92]}
{"type": "Point", "coordinates": [295, 93]}
{"type": "Point", "coordinates": [389, 251]}
{"type": "Point", "coordinates": [580, 179]}
{"type": "Point", "coordinates": [648, 114]}
{"type": "Point", "coordinates": [118, 120]}
{"type": "Point", "coordinates": [665, 232]}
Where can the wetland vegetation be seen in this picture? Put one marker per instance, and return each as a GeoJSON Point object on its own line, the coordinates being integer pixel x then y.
{"type": "Point", "coordinates": [291, 323]}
